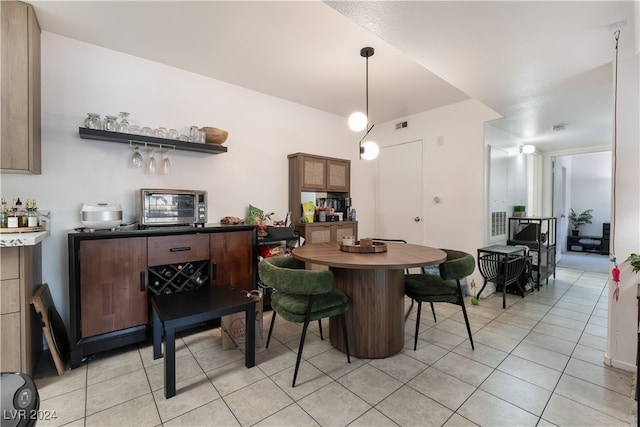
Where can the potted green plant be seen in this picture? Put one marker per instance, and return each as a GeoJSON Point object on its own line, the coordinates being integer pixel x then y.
{"type": "Point", "coordinates": [578, 220]}
{"type": "Point", "coordinates": [634, 261]}
{"type": "Point", "coordinates": [519, 210]}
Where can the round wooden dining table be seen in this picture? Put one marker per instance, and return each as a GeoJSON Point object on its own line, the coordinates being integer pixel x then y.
{"type": "Point", "coordinates": [374, 283]}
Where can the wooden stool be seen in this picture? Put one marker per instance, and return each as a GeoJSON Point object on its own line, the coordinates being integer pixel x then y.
{"type": "Point", "coordinates": [184, 309]}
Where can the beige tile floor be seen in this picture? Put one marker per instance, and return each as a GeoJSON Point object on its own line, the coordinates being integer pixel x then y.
{"type": "Point", "coordinates": [539, 362]}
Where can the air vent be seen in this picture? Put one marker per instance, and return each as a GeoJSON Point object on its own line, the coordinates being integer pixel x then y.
{"type": "Point", "coordinates": [401, 125]}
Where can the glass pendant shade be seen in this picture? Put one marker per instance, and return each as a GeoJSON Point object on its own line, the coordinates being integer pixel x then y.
{"type": "Point", "coordinates": [369, 150]}
{"type": "Point", "coordinates": [358, 121]}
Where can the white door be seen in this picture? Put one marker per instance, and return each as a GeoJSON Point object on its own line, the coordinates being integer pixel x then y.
{"type": "Point", "coordinates": [400, 193]}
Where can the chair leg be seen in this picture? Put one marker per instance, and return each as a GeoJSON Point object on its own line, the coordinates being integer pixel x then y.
{"type": "Point", "coordinates": [406, 316]}
{"type": "Point", "coordinates": [320, 327]}
{"type": "Point", "coordinates": [344, 334]}
{"type": "Point", "coordinates": [304, 334]}
{"type": "Point", "coordinates": [464, 312]}
{"type": "Point", "coordinates": [273, 321]}
{"type": "Point", "coordinates": [415, 339]}
{"type": "Point", "coordinates": [307, 319]}
{"type": "Point", "coordinates": [433, 310]}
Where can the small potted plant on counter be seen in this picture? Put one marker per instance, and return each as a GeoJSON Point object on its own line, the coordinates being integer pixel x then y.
{"type": "Point", "coordinates": [578, 220]}
{"type": "Point", "coordinates": [519, 210]}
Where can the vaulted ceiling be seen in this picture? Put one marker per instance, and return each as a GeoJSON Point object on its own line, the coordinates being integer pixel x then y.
{"type": "Point", "coordinates": [538, 64]}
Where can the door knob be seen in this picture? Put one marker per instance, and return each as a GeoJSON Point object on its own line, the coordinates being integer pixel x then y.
{"type": "Point", "coordinates": [416, 219]}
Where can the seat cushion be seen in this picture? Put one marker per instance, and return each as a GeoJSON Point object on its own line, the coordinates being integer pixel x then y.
{"type": "Point", "coordinates": [430, 288]}
{"type": "Point", "coordinates": [293, 306]}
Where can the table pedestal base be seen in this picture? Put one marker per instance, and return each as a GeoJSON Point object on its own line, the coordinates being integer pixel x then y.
{"type": "Point", "coordinates": [375, 319]}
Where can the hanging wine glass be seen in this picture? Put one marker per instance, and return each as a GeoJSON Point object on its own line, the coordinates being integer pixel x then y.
{"type": "Point", "coordinates": [124, 125]}
{"type": "Point", "coordinates": [151, 163]}
{"type": "Point", "coordinates": [136, 158]}
{"type": "Point", "coordinates": [165, 163]}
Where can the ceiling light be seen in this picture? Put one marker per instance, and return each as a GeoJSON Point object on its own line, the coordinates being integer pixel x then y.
{"type": "Point", "coordinates": [528, 149]}
{"type": "Point", "coordinates": [369, 150]}
{"type": "Point", "coordinates": [360, 121]}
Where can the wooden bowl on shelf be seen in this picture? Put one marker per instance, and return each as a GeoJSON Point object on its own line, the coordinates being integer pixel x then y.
{"type": "Point", "coordinates": [215, 136]}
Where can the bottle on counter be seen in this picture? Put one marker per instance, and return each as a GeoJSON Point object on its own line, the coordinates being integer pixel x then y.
{"type": "Point", "coordinates": [12, 219]}
{"type": "Point", "coordinates": [4, 213]}
{"type": "Point", "coordinates": [353, 214]}
{"type": "Point", "coordinates": [32, 213]}
{"type": "Point", "coordinates": [22, 214]}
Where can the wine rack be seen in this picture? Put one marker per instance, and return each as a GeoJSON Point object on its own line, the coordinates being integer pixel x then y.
{"type": "Point", "coordinates": [171, 278]}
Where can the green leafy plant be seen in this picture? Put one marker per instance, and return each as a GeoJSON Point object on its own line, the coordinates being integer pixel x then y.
{"type": "Point", "coordinates": [634, 260]}
{"type": "Point", "coordinates": [578, 220]}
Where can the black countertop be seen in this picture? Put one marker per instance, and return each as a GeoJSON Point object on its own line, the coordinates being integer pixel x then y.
{"type": "Point", "coordinates": [137, 231]}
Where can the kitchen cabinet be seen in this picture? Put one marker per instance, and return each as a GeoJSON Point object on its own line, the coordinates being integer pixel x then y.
{"type": "Point", "coordinates": [21, 333]}
{"type": "Point", "coordinates": [20, 89]}
{"type": "Point", "coordinates": [112, 275]}
{"type": "Point", "coordinates": [321, 232]}
{"type": "Point", "coordinates": [233, 258]}
{"type": "Point", "coordinates": [177, 263]}
{"type": "Point", "coordinates": [318, 173]}
{"type": "Point", "coordinates": [113, 294]}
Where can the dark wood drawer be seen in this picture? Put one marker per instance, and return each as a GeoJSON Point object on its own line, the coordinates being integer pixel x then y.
{"type": "Point", "coordinates": [176, 249]}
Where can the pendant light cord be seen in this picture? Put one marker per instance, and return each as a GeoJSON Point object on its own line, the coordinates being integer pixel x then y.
{"type": "Point", "coordinates": [612, 233]}
{"type": "Point", "coordinates": [367, 91]}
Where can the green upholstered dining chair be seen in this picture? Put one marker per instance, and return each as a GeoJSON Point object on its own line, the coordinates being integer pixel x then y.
{"type": "Point", "coordinates": [302, 296]}
{"type": "Point", "coordinates": [441, 288]}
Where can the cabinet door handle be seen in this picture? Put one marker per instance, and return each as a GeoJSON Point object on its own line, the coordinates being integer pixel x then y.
{"type": "Point", "coordinates": [182, 249]}
{"type": "Point", "coordinates": [214, 270]}
{"type": "Point", "coordinates": [142, 280]}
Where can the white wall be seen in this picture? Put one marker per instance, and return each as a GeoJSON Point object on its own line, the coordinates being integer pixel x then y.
{"type": "Point", "coordinates": [78, 78]}
{"type": "Point", "coordinates": [590, 183]}
{"type": "Point", "coordinates": [454, 171]}
{"type": "Point", "coordinates": [507, 177]}
{"type": "Point", "coordinates": [623, 320]}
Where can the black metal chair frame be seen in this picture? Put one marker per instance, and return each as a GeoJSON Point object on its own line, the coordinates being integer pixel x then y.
{"type": "Point", "coordinates": [459, 302]}
{"type": "Point", "coordinates": [307, 319]}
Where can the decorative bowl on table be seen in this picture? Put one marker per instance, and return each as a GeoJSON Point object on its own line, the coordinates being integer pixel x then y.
{"type": "Point", "coordinates": [373, 248]}
{"type": "Point", "coordinates": [215, 136]}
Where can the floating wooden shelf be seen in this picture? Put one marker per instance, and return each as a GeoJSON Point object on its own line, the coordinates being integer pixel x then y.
{"type": "Point", "coordinates": [127, 138]}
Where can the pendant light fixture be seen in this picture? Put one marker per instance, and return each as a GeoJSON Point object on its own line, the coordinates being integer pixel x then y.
{"type": "Point", "coordinates": [360, 121]}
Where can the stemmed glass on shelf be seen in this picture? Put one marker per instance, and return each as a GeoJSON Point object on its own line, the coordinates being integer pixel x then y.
{"type": "Point", "coordinates": [165, 163]}
{"type": "Point", "coordinates": [136, 159]}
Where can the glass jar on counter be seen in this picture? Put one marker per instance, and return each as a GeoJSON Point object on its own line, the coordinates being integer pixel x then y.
{"type": "Point", "coordinates": [12, 219]}
{"type": "Point", "coordinates": [32, 213]}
